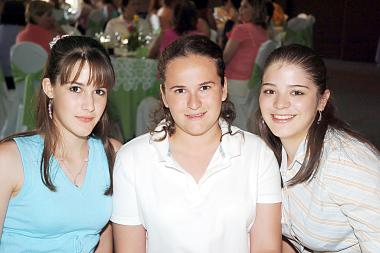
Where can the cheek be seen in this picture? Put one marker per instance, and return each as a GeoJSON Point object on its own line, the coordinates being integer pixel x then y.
{"type": "Point", "coordinates": [101, 103]}
{"type": "Point", "coordinates": [263, 103]}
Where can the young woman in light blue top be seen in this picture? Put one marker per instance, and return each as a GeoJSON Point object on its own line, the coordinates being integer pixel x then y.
{"type": "Point", "coordinates": [55, 182]}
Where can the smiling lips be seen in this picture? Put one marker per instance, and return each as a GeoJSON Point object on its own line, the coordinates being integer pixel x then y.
{"type": "Point", "coordinates": [282, 118]}
{"type": "Point", "coordinates": [195, 116]}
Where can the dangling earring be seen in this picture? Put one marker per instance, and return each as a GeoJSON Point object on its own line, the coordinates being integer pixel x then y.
{"type": "Point", "coordinates": [50, 111]}
{"type": "Point", "coordinates": [320, 117]}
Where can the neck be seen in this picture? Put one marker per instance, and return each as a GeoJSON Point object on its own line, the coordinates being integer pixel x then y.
{"type": "Point", "coordinates": [291, 147]}
{"type": "Point", "coordinates": [194, 143]}
{"type": "Point", "coordinates": [72, 148]}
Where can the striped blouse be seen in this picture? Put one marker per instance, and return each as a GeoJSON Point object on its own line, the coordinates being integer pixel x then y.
{"type": "Point", "coordinates": [339, 209]}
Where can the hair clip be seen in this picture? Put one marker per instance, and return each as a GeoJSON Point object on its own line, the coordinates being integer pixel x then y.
{"type": "Point", "coordinates": [55, 39]}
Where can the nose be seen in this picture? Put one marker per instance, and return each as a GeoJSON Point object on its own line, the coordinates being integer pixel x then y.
{"type": "Point", "coordinates": [281, 101]}
{"type": "Point", "coordinates": [88, 102]}
{"type": "Point", "coordinates": [194, 101]}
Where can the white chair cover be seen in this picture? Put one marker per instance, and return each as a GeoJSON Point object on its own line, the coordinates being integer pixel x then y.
{"type": "Point", "coordinates": [144, 115]}
{"type": "Point", "coordinates": [301, 22]}
{"type": "Point", "coordinates": [26, 58]}
{"type": "Point", "coordinates": [300, 30]}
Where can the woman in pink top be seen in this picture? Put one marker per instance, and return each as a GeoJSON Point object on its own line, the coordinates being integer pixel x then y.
{"type": "Point", "coordinates": [41, 27]}
{"type": "Point", "coordinates": [185, 23]}
{"type": "Point", "coordinates": [240, 54]}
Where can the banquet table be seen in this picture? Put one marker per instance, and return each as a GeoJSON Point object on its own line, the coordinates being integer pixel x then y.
{"type": "Point", "coordinates": [136, 78]}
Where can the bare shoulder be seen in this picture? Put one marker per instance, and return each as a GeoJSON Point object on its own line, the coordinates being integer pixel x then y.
{"type": "Point", "coordinates": [11, 171]}
{"type": "Point", "coordinates": [115, 144]}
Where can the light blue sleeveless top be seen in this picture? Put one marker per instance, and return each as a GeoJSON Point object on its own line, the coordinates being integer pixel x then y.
{"type": "Point", "coordinates": [68, 220]}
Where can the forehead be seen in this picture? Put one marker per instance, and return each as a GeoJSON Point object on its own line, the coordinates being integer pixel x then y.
{"type": "Point", "coordinates": [191, 68]}
{"type": "Point", "coordinates": [284, 73]}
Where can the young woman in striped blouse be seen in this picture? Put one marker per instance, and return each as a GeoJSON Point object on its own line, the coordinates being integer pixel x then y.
{"type": "Point", "coordinates": [330, 174]}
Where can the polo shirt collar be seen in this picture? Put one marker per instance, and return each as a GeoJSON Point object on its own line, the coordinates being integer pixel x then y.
{"type": "Point", "coordinates": [288, 172]}
{"type": "Point", "coordinates": [229, 147]}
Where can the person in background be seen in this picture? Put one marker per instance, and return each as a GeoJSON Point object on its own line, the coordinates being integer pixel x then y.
{"type": "Point", "coordinates": [330, 174]}
{"type": "Point", "coordinates": [165, 14]}
{"type": "Point", "coordinates": [12, 22]}
{"type": "Point", "coordinates": [152, 17]}
{"type": "Point", "coordinates": [103, 11]}
{"type": "Point", "coordinates": [184, 23]}
{"type": "Point", "coordinates": [82, 21]}
{"type": "Point", "coordinates": [241, 51]}
{"type": "Point", "coordinates": [227, 28]}
{"type": "Point", "coordinates": [55, 181]}
{"type": "Point", "coordinates": [206, 20]}
{"type": "Point", "coordinates": [121, 25]}
{"type": "Point", "coordinates": [207, 185]}
{"type": "Point", "coordinates": [41, 26]}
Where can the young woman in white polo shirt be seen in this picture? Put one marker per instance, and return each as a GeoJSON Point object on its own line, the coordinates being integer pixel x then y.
{"type": "Point", "coordinates": [331, 175]}
{"type": "Point", "coordinates": [196, 183]}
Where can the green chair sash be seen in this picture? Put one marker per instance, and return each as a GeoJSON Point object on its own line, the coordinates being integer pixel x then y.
{"type": "Point", "coordinates": [30, 100]}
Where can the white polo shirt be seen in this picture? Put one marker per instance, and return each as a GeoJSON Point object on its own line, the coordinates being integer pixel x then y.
{"type": "Point", "coordinates": [180, 215]}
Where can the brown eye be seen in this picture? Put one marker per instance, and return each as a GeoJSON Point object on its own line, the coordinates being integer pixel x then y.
{"type": "Point", "coordinates": [75, 89]}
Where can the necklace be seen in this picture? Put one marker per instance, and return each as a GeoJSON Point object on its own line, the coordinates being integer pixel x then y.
{"type": "Point", "coordinates": [74, 177]}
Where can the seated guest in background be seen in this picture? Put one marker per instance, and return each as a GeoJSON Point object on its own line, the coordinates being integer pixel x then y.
{"type": "Point", "coordinates": [330, 174]}
{"type": "Point", "coordinates": [240, 54]}
{"type": "Point", "coordinates": [103, 11]}
{"type": "Point", "coordinates": [196, 183]}
{"type": "Point", "coordinates": [41, 26]}
{"type": "Point", "coordinates": [126, 20]}
{"type": "Point", "coordinates": [55, 182]}
{"type": "Point", "coordinates": [165, 14]}
{"type": "Point", "coordinates": [11, 23]}
{"type": "Point", "coordinates": [85, 11]}
{"type": "Point", "coordinates": [206, 20]}
{"type": "Point", "coordinates": [222, 14]}
{"type": "Point", "coordinates": [152, 17]}
{"type": "Point", "coordinates": [185, 23]}
{"type": "Point", "coordinates": [225, 12]}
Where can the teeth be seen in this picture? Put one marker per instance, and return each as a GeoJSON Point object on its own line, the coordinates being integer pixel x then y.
{"type": "Point", "coordinates": [282, 117]}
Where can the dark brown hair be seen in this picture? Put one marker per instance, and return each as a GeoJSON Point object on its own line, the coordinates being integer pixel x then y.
{"type": "Point", "coordinates": [185, 46]}
{"type": "Point", "coordinates": [65, 55]}
{"type": "Point", "coordinates": [259, 15]}
{"type": "Point", "coordinates": [315, 68]}
{"type": "Point", "coordinates": [35, 9]}
{"type": "Point", "coordinates": [185, 17]}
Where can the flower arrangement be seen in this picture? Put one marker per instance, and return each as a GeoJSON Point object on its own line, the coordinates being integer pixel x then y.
{"type": "Point", "coordinates": [134, 39]}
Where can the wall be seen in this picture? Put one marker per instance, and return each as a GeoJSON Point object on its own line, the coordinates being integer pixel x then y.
{"type": "Point", "coordinates": [344, 29]}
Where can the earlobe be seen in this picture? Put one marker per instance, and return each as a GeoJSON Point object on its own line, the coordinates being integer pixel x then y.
{"type": "Point", "coordinates": [163, 96]}
{"type": "Point", "coordinates": [47, 87]}
{"type": "Point", "coordinates": [323, 100]}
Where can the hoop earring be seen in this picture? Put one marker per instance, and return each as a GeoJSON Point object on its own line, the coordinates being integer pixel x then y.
{"type": "Point", "coordinates": [50, 111]}
{"type": "Point", "coordinates": [319, 118]}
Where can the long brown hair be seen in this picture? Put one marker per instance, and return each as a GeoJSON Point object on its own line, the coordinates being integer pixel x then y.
{"type": "Point", "coordinates": [315, 68]}
{"type": "Point", "coordinates": [64, 56]}
{"type": "Point", "coordinates": [187, 45]}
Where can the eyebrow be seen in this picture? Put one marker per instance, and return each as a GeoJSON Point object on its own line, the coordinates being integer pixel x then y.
{"type": "Point", "coordinates": [79, 83]}
{"type": "Point", "coordinates": [183, 86]}
{"type": "Point", "coordinates": [292, 86]}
